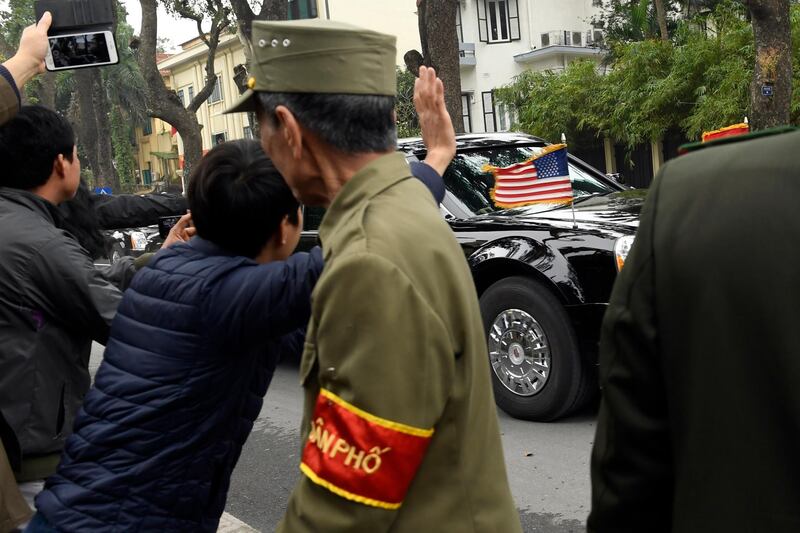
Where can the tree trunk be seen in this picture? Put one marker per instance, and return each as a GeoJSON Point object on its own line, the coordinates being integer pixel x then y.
{"type": "Point", "coordinates": [269, 10]}
{"type": "Point", "coordinates": [47, 90]}
{"type": "Point", "coordinates": [164, 103]}
{"type": "Point", "coordinates": [87, 123]}
{"type": "Point", "coordinates": [771, 89]}
{"type": "Point", "coordinates": [661, 14]}
{"type": "Point", "coordinates": [439, 39]}
{"type": "Point", "coordinates": [105, 150]}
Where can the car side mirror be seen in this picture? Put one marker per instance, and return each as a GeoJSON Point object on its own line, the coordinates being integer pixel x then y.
{"type": "Point", "coordinates": [617, 177]}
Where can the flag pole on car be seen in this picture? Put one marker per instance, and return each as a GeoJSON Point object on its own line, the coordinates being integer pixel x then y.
{"type": "Point", "coordinates": [572, 202]}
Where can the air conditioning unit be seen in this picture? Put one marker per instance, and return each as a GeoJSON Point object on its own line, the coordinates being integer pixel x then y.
{"type": "Point", "coordinates": [545, 39]}
{"type": "Point", "coordinates": [577, 38]}
{"type": "Point", "coordinates": [597, 35]}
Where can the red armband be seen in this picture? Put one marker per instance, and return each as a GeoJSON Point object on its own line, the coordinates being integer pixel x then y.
{"type": "Point", "coordinates": [360, 456]}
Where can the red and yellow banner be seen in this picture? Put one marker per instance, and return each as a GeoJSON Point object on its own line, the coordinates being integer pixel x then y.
{"type": "Point", "coordinates": [727, 131]}
{"type": "Point", "coordinates": [360, 456]}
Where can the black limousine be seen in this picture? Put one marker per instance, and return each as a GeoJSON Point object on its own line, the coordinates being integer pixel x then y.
{"type": "Point", "coordinates": [543, 278]}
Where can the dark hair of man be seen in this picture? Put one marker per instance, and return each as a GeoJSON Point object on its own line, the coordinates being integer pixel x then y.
{"type": "Point", "coordinates": [238, 199]}
{"type": "Point", "coordinates": [351, 123]}
{"type": "Point", "coordinates": [29, 143]}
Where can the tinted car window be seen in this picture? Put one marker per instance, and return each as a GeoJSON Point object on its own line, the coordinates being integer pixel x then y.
{"type": "Point", "coordinates": [312, 217]}
{"type": "Point", "coordinates": [471, 183]}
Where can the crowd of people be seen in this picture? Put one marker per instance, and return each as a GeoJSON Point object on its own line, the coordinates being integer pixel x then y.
{"type": "Point", "coordinates": [699, 421]}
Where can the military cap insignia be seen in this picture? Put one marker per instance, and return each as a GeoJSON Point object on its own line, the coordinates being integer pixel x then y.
{"type": "Point", "coordinates": [251, 82]}
{"type": "Point", "coordinates": [359, 456]}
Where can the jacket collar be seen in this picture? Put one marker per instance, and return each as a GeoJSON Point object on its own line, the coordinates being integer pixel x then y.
{"type": "Point", "coordinates": [206, 247]}
{"type": "Point", "coordinates": [209, 248]}
{"type": "Point", "coordinates": [32, 202]}
{"type": "Point", "coordinates": [375, 177]}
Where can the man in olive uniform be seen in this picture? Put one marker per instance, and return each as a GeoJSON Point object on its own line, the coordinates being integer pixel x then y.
{"type": "Point", "coordinates": [400, 428]}
{"type": "Point", "coordinates": [699, 429]}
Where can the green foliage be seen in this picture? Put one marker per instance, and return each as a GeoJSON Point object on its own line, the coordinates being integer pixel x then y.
{"type": "Point", "coordinates": [633, 20]}
{"type": "Point", "coordinates": [548, 104]}
{"type": "Point", "coordinates": [123, 151]}
{"type": "Point", "coordinates": [407, 121]}
{"type": "Point", "coordinates": [697, 82]}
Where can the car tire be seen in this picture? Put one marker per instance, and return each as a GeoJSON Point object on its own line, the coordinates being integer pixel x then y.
{"type": "Point", "coordinates": [115, 253]}
{"type": "Point", "coordinates": [528, 329]}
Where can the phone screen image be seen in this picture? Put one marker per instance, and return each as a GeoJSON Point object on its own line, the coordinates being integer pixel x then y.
{"type": "Point", "coordinates": [165, 224]}
{"type": "Point", "coordinates": [81, 50]}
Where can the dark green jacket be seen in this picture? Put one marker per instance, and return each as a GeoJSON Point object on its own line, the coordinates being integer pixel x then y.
{"type": "Point", "coordinates": [699, 429]}
{"type": "Point", "coordinates": [395, 366]}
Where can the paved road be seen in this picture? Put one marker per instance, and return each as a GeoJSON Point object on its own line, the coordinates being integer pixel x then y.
{"type": "Point", "coordinates": [548, 464]}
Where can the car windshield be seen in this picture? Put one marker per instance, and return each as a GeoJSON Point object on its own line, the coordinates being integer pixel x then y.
{"type": "Point", "coordinates": [470, 184]}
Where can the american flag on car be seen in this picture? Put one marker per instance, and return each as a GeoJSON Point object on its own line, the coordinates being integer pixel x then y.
{"type": "Point", "coordinates": [542, 179]}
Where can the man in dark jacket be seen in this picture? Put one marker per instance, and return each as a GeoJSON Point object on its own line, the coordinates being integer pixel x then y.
{"type": "Point", "coordinates": [699, 428]}
{"type": "Point", "coordinates": [14, 73]}
{"type": "Point", "coordinates": [52, 301]}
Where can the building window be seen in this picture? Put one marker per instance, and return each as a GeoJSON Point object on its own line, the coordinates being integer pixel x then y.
{"type": "Point", "coordinates": [217, 138]}
{"type": "Point", "coordinates": [216, 94]}
{"type": "Point", "coordinates": [466, 115]}
{"type": "Point", "coordinates": [302, 9]}
{"type": "Point", "coordinates": [180, 97]}
{"type": "Point", "coordinates": [190, 92]}
{"type": "Point", "coordinates": [489, 122]}
{"type": "Point", "coordinates": [248, 133]}
{"type": "Point", "coordinates": [498, 21]}
{"type": "Point", "coordinates": [147, 127]}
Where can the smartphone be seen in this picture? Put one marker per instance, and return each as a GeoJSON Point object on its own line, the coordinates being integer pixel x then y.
{"type": "Point", "coordinates": [165, 224]}
{"type": "Point", "coordinates": [79, 50]}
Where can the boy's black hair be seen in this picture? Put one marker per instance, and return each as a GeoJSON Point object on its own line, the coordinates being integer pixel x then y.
{"type": "Point", "coordinates": [29, 143]}
{"type": "Point", "coordinates": [238, 199]}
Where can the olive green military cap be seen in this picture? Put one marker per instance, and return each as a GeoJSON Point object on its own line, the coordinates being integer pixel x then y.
{"type": "Point", "coordinates": [318, 56]}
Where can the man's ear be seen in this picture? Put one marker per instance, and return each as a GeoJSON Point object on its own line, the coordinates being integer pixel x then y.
{"type": "Point", "coordinates": [284, 230]}
{"type": "Point", "coordinates": [291, 130]}
{"type": "Point", "coordinates": [58, 166]}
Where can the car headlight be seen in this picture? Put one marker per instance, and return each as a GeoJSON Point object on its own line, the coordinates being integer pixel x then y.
{"type": "Point", "coordinates": [138, 241]}
{"type": "Point", "coordinates": [621, 250]}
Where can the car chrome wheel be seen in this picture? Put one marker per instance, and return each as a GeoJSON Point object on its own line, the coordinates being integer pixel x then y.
{"type": "Point", "coordinates": [519, 352]}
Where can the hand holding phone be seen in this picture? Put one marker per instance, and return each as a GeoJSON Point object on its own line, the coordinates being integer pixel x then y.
{"type": "Point", "coordinates": [176, 229]}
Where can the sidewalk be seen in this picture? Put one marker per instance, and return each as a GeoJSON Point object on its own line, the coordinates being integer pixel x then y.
{"type": "Point", "coordinates": [231, 524]}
